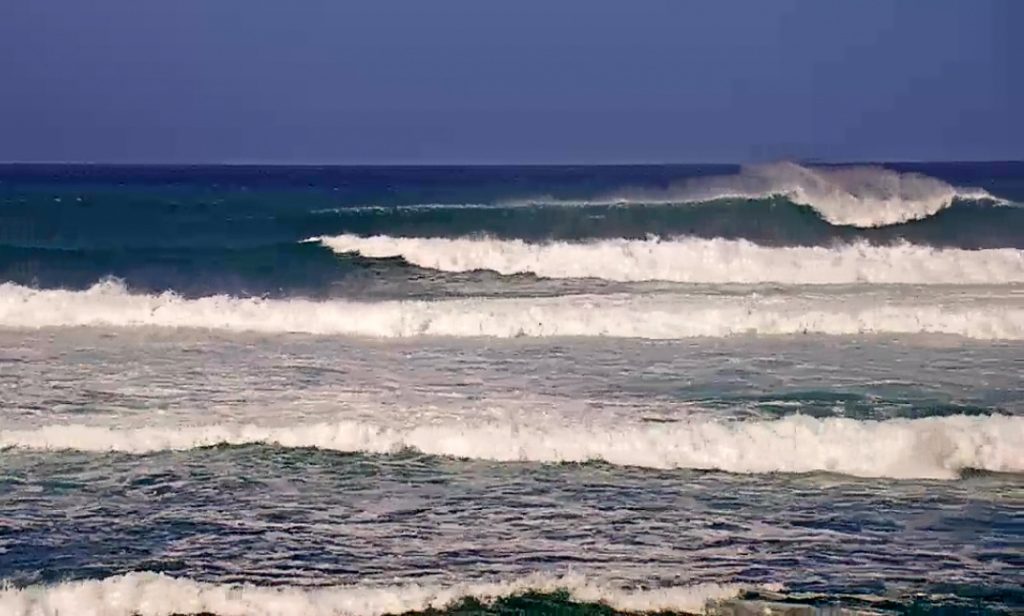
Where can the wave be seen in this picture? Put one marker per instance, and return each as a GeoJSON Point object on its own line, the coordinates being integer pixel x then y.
{"type": "Point", "coordinates": [693, 260]}
{"type": "Point", "coordinates": [153, 594]}
{"type": "Point", "coordinates": [653, 316]}
{"type": "Point", "coordinates": [286, 268]}
{"type": "Point", "coordinates": [932, 447]}
{"type": "Point", "coordinates": [859, 196]}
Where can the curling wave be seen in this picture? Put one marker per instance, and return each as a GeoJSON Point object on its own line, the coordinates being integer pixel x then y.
{"type": "Point", "coordinates": [693, 260]}
{"type": "Point", "coordinates": [674, 316]}
{"type": "Point", "coordinates": [153, 594]}
{"type": "Point", "coordinates": [934, 447]}
{"type": "Point", "coordinates": [860, 196]}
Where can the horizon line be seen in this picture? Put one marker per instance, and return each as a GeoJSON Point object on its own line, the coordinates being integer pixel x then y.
{"type": "Point", "coordinates": [802, 161]}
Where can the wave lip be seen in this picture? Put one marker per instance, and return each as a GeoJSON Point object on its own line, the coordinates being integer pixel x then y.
{"type": "Point", "coordinates": [153, 594]}
{"type": "Point", "coordinates": [859, 196]}
{"type": "Point", "coordinates": [933, 448]}
{"type": "Point", "coordinates": [622, 316]}
{"type": "Point", "coordinates": [693, 260]}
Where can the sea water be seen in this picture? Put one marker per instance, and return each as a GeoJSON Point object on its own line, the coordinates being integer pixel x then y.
{"type": "Point", "coordinates": [311, 391]}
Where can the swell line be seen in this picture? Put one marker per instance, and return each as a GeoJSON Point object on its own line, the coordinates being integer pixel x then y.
{"type": "Point", "coordinates": [652, 316]}
{"type": "Point", "coordinates": [694, 260]}
{"type": "Point", "coordinates": [933, 447]}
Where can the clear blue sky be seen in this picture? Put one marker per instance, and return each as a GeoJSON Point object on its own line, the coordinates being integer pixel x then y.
{"type": "Point", "coordinates": [473, 81]}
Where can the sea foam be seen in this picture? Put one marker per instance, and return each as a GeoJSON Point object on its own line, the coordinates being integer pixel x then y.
{"type": "Point", "coordinates": [693, 260]}
{"type": "Point", "coordinates": [654, 316]}
{"type": "Point", "coordinates": [935, 447]}
{"type": "Point", "coordinates": [152, 594]}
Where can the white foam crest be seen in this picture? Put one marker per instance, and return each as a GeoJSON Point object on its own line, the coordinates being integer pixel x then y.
{"type": "Point", "coordinates": [694, 260]}
{"type": "Point", "coordinates": [860, 196]}
{"type": "Point", "coordinates": [152, 594]}
{"type": "Point", "coordinates": [935, 447]}
{"type": "Point", "coordinates": [654, 316]}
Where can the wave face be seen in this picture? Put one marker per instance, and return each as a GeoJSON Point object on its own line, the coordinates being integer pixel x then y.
{"type": "Point", "coordinates": [691, 260]}
{"type": "Point", "coordinates": [151, 594]}
{"type": "Point", "coordinates": [934, 447]}
{"type": "Point", "coordinates": [859, 196]}
{"type": "Point", "coordinates": [626, 316]}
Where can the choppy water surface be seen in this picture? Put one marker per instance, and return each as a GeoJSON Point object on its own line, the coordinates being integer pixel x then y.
{"type": "Point", "coordinates": [303, 391]}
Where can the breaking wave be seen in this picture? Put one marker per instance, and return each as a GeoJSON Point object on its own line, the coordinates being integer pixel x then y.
{"type": "Point", "coordinates": [934, 447]}
{"type": "Point", "coordinates": [860, 196]}
{"type": "Point", "coordinates": [651, 316]}
{"type": "Point", "coordinates": [153, 594]}
{"type": "Point", "coordinates": [693, 260]}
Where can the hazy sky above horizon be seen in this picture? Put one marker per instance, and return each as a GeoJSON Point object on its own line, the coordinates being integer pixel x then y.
{"type": "Point", "coordinates": [467, 81]}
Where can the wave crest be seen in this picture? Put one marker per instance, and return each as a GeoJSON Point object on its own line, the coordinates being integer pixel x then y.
{"type": "Point", "coordinates": [859, 196]}
{"type": "Point", "coordinates": [934, 447]}
{"type": "Point", "coordinates": [693, 260]}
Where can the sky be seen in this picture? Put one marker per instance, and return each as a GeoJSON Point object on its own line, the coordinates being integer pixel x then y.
{"type": "Point", "coordinates": [530, 81]}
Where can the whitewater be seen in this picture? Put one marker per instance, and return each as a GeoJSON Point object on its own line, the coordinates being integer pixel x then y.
{"type": "Point", "coordinates": [931, 448]}
{"type": "Point", "coordinates": [153, 594]}
{"type": "Point", "coordinates": [694, 260]}
{"type": "Point", "coordinates": [858, 195]}
{"type": "Point", "coordinates": [1000, 315]}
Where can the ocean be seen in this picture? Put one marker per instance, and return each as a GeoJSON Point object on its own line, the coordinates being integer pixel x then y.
{"type": "Point", "coordinates": [312, 391]}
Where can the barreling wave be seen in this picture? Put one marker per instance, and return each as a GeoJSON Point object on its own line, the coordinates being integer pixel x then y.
{"type": "Point", "coordinates": [153, 594]}
{"type": "Point", "coordinates": [859, 196]}
{"type": "Point", "coordinates": [693, 260]}
{"type": "Point", "coordinates": [654, 316]}
{"type": "Point", "coordinates": [933, 447]}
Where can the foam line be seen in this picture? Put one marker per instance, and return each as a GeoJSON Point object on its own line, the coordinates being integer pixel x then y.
{"type": "Point", "coordinates": [693, 260]}
{"type": "Point", "coordinates": [633, 316]}
{"type": "Point", "coordinates": [935, 447]}
{"type": "Point", "coordinates": [151, 594]}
